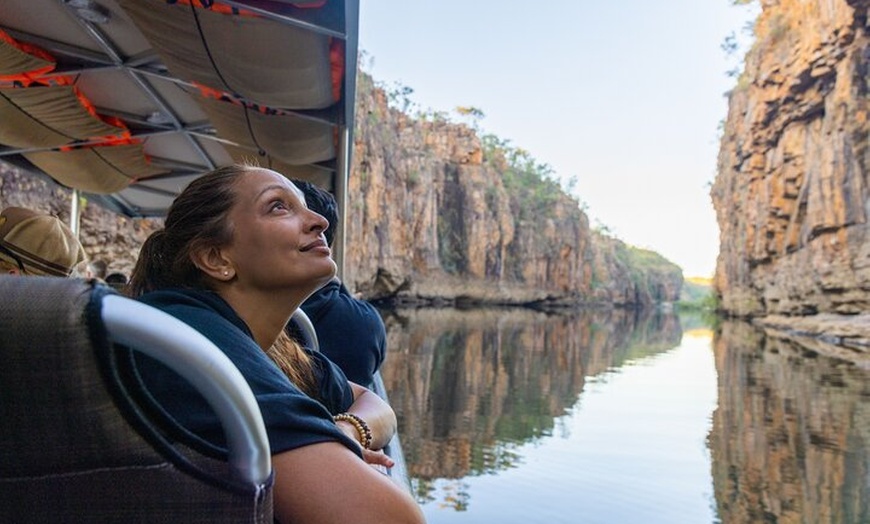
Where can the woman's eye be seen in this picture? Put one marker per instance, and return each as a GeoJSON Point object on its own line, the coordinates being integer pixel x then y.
{"type": "Point", "coordinates": [278, 205]}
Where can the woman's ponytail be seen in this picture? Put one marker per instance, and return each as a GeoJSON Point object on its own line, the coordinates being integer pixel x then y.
{"type": "Point", "coordinates": [153, 267]}
{"type": "Point", "coordinates": [288, 355]}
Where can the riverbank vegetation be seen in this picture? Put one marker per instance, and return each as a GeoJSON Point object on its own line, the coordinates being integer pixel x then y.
{"type": "Point", "coordinates": [698, 294]}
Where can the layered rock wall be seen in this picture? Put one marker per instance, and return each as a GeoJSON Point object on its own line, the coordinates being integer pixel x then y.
{"type": "Point", "coordinates": [625, 275]}
{"type": "Point", "coordinates": [791, 192]}
{"type": "Point", "coordinates": [432, 219]}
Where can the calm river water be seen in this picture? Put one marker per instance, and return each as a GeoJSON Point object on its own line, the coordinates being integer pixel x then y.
{"type": "Point", "coordinates": [513, 415]}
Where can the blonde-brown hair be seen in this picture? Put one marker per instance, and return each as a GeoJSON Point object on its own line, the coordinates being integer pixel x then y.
{"type": "Point", "coordinates": [288, 355]}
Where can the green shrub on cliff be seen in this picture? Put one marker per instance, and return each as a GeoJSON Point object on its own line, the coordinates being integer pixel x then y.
{"type": "Point", "coordinates": [698, 294]}
{"type": "Point", "coordinates": [533, 184]}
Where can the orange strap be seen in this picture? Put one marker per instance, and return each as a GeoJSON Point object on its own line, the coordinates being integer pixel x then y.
{"type": "Point", "coordinates": [106, 143]}
{"type": "Point", "coordinates": [30, 50]}
{"type": "Point", "coordinates": [336, 66]}
{"type": "Point", "coordinates": [223, 96]}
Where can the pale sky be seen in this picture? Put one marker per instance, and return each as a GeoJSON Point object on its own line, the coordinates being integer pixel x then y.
{"type": "Point", "coordinates": [625, 95]}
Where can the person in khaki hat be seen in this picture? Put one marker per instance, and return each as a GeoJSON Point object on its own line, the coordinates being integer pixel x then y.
{"type": "Point", "coordinates": [32, 243]}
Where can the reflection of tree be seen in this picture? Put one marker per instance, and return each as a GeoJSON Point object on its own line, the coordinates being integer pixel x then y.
{"type": "Point", "coordinates": [470, 387]}
{"type": "Point", "coordinates": [497, 456]}
{"type": "Point", "coordinates": [790, 435]}
{"type": "Point", "coordinates": [456, 495]}
{"type": "Point", "coordinates": [423, 490]}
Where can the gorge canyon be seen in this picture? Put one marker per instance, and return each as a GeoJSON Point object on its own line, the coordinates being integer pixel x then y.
{"type": "Point", "coordinates": [430, 220]}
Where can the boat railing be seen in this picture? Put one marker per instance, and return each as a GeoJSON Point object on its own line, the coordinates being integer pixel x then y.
{"type": "Point", "coordinates": [399, 472]}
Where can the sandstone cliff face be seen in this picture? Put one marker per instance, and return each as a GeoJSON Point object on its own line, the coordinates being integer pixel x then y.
{"type": "Point", "coordinates": [791, 193]}
{"type": "Point", "coordinates": [622, 275]}
{"type": "Point", "coordinates": [428, 221]}
{"type": "Point", "coordinates": [432, 220]}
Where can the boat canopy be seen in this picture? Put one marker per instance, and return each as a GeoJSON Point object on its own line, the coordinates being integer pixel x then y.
{"type": "Point", "coordinates": [128, 101]}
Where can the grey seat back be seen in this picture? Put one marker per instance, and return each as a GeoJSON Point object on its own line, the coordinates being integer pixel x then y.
{"type": "Point", "coordinates": [78, 438]}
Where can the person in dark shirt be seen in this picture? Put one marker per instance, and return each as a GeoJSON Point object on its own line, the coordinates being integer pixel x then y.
{"type": "Point", "coordinates": [349, 330]}
{"type": "Point", "coordinates": [239, 252]}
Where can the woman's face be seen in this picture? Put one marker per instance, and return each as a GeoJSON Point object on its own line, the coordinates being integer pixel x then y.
{"type": "Point", "coordinates": [277, 242]}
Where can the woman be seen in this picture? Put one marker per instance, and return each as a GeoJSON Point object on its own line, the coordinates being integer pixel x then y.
{"type": "Point", "coordinates": [240, 251]}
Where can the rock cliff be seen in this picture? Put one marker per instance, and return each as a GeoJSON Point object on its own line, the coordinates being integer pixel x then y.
{"type": "Point", "coordinates": [791, 192]}
{"type": "Point", "coordinates": [433, 217]}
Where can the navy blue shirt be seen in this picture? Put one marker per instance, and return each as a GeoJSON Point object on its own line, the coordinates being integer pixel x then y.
{"type": "Point", "coordinates": [350, 331]}
{"type": "Point", "coordinates": [292, 418]}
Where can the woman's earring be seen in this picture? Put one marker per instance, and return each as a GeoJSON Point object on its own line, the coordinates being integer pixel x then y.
{"type": "Point", "coordinates": [226, 273]}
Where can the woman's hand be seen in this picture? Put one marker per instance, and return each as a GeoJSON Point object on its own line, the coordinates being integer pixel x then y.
{"type": "Point", "coordinates": [377, 458]}
{"type": "Point", "coordinates": [371, 456]}
{"type": "Point", "coordinates": [377, 414]}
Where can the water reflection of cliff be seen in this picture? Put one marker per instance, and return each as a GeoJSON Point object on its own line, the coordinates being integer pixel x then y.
{"type": "Point", "coordinates": [790, 436]}
{"type": "Point", "coordinates": [470, 386]}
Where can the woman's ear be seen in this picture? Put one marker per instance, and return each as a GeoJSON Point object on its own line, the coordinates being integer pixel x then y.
{"type": "Point", "coordinates": [212, 262]}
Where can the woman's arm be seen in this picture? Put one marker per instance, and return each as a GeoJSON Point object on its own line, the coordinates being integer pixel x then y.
{"type": "Point", "coordinates": [327, 484]}
{"type": "Point", "coordinates": [376, 413]}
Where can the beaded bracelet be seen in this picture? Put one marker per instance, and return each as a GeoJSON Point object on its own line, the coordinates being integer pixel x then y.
{"type": "Point", "coordinates": [362, 429]}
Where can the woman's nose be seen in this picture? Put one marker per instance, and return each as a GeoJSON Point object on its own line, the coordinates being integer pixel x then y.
{"type": "Point", "coordinates": [318, 222]}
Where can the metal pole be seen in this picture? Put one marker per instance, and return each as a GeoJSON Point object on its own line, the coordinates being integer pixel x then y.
{"type": "Point", "coordinates": [341, 175]}
{"type": "Point", "coordinates": [75, 212]}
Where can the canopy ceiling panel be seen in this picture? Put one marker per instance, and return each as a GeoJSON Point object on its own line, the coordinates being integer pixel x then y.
{"type": "Point", "coordinates": [171, 185]}
{"type": "Point", "coordinates": [62, 24]}
{"type": "Point", "coordinates": [216, 149]}
{"type": "Point", "coordinates": [292, 139]}
{"type": "Point", "coordinates": [240, 54]}
{"type": "Point", "coordinates": [43, 18]}
{"type": "Point", "coordinates": [173, 147]}
{"type": "Point", "coordinates": [175, 102]}
{"type": "Point", "coordinates": [145, 199]}
{"type": "Point", "coordinates": [98, 169]}
{"type": "Point", "coordinates": [22, 129]}
{"type": "Point", "coordinates": [149, 64]}
{"type": "Point", "coordinates": [117, 101]}
{"type": "Point", "coordinates": [47, 116]}
{"type": "Point", "coordinates": [316, 174]}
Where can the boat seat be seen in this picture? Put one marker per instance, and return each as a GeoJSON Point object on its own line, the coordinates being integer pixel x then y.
{"type": "Point", "coordinates": [80, 440]}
